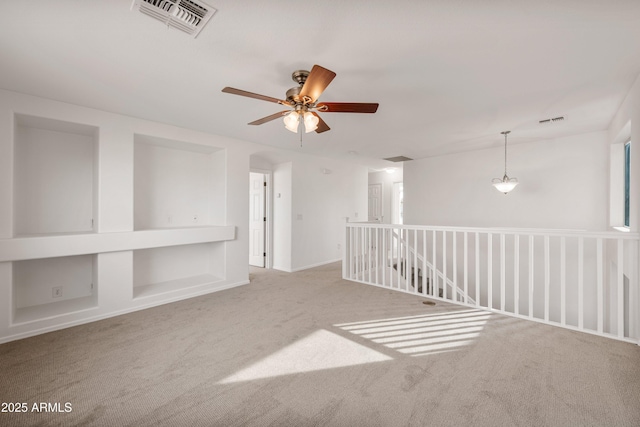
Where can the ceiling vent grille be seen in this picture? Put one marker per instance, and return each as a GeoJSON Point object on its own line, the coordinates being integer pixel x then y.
{"type": "Point", "coordinates": [398, 159]}
{"type": "Point", "coordinates": [553, 120]}
{"type": "Point", "coordinates": [189, 16]}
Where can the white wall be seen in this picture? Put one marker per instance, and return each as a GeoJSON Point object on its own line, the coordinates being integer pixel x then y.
{"type": "Point", "coordinates": [563, 185]}
{"type": "Point", "coordinates": [320, 205]}
{"type": "Point", "coordinates": [387, 180]}
{"type": "Point", "coordinates": [310, 207]}
{"type": "Point", "coordinates": [282, 199]}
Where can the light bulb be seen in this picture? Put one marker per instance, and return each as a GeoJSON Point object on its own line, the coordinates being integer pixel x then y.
{"type": "Point", "coordinates": [291, 121]}
{"type": "Point", "coordinates": [310, 122]}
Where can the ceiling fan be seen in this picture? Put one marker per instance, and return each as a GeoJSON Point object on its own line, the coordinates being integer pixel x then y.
{"type": "Point", "coordinates": [303, 102]}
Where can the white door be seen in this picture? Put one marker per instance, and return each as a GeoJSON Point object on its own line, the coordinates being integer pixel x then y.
{"type": "Point", "coordinates": [375, 202]}
{"type": "Point", "coordinates": [256, 219]}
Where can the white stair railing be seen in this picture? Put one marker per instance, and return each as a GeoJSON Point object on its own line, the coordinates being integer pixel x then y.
{"type": "Point", "coordinates": [413, 263]}
{"type": "Point", "coordinates": [578, 280]}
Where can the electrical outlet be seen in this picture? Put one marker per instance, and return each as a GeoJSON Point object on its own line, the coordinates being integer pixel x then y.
{"type": "Point", "coordinates": [195, 218]}
{"type": "Point", "coordinates": [339, 246]}
{"type": "Point", "coordinates": [56, 291]}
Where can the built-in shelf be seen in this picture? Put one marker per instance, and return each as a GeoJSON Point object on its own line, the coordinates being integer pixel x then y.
{"type": "Point", "coordinates": [141, 291]}
{"type": "Point", "coordinates": [177, 184]}
{"type": "Point", "coordinates": [60, 265]}
{"type": "Point", "coordinates": [173, 268]}
{"type": "Point", "coordinates": [44, 288]}
{"type": "Point", "coordinates": [54, 176]}
{"type": "Point", "coordinates": [54, 309]}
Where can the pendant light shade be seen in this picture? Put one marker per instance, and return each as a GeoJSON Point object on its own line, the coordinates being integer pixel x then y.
{"type": "Point", "coordinates": [505, 184]}
{"type": "Point", "coordinates": [310, 122]}
{"type": "Point", "coordinates": [291, 121]}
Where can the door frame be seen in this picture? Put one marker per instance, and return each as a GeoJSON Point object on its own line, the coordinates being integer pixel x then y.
{"type": "Point", "coordinates": [268, 213]}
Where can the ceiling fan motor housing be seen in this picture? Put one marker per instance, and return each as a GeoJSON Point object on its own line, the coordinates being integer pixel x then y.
{"type": "Point", "coordinates": [300, 76]}
{"type": "Point", "coordinates": [293, 94]}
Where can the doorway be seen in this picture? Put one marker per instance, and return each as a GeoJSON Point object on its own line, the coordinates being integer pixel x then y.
{"type": "Point", "coordinates": [375, 203]}
{"type": "Point", "coordinates": [259, 219]}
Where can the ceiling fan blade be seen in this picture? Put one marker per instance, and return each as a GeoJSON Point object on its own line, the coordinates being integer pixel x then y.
{"type": "Point", "coordinates": [348, 107]}
{"type": "Point", "coordinates": [240, 92]}
{"type": "Point", "coordinates": [317, 81]}
{"type": "Point", "coordinates": [322, 126]}
{"type": "Point", "coordinates": [269, 118]}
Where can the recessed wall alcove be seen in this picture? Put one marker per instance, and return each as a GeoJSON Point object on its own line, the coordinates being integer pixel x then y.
{"type": "Point", "coordinates": [35, 283]}
{"type": "Point", "coordinates": [163, 205]}
{"type": "Point", "coordinates": [166, 269]}
{"type": "Point", "coordinates": [54, 176]}
{"type": "Point", "coordinates": [177, 184]}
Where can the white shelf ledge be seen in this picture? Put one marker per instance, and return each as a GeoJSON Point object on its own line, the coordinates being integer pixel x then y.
{"type": "Point", "coordinates": [53, 309]}
{"type": "Point", "coordinates": [49, 246]}
{"type": "Point", "coordinates": [174, 285]}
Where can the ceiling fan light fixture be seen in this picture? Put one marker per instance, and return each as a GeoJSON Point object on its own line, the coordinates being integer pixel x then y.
{"type": "Point", "coordinates": [291, 121]}
{"type": "Point", "coordinates": [310, 122]}
{"type": "Point", "coordinates": [303, 100]}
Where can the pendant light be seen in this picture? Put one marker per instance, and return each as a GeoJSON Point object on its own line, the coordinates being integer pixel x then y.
{"type": "Point", "coordinates": [505, 184]}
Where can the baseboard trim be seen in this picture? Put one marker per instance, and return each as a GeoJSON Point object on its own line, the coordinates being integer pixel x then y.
{"type": "Point", "coordinates": [306, 267]}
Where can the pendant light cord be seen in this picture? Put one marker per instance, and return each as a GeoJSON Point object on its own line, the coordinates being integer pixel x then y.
{"type": "Point", "coordinates": [505, 133]}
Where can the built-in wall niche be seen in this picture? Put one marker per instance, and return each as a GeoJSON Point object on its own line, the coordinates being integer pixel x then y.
{"type": "Point", "coordinates": [54, 176]}
{"type": "Point", "coordinates": [172, 268]}
{"type": "Point", "coordinates": [48, 287]}
{"type": "Point", "coordinates": [177, 184]}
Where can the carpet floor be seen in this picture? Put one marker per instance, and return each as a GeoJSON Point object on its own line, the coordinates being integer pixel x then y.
{"type": "Point", "coordinates": [310, 349]}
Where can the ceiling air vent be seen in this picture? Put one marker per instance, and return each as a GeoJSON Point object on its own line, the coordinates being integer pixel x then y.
{"type": "Point", "coordinates": [398, 159]}
{"type": "Point", "coordinates": [553, 120]}
{"type": "Point", "coordinates": [189, 16]}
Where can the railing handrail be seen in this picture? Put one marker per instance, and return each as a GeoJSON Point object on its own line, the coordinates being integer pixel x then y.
{"type": "Point", "coordinates": [509, 231]}
{"type": "Point", "coordinates": [581, 280]}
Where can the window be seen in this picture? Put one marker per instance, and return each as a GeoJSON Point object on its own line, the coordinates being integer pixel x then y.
{"type": "Point", "coordinates": [627, 183]}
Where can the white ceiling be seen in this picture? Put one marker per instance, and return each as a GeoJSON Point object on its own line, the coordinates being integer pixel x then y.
{"type": "Point", "coordinates": [449, 75]}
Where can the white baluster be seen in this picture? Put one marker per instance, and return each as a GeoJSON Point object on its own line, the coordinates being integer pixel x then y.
{"type": "Point", "coordinates": [516, 274]}
{"type": "Point", "coordinates": [547, 278]}
{"type": "Point", "coordinates": [563, 281]}
{"type": "Point", "coordinates": [580, 283]}
{"type": "Point", "coordinates": [490, 271]}
{"type": "Point", "coordinates": [620, 291]}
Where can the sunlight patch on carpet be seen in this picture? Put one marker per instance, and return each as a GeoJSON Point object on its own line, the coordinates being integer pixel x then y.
{"type": "Point", "coordinates": [320, 350]}
{"type": "Point", "coordinates": [422, 334]}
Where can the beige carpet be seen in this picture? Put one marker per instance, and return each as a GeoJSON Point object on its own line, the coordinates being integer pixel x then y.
{"type": "Point", "coordinates": [309, 349]}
